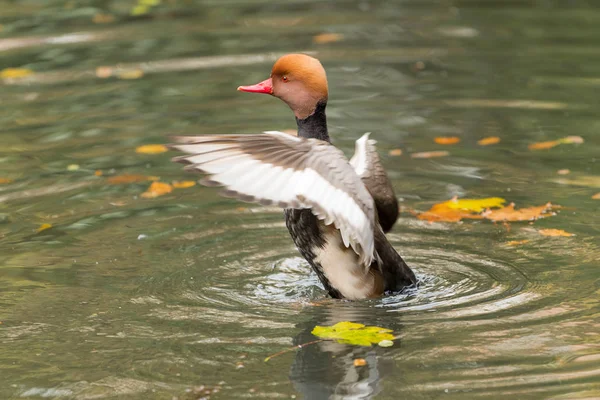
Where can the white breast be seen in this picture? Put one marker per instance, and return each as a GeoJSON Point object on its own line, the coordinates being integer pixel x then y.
{"type": "Point", "coordinates": [342, 267]}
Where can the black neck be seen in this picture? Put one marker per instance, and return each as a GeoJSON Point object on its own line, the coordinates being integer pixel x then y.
{"type": "Point", "coordinates": [315, 125]}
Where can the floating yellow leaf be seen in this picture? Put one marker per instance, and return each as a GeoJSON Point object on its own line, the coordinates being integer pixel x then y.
{"type": "Point", "coordinates": [98, 172]}
{"type": "Point", "coordinates": [572, 139]}
{"type": "Point", "coordinates": [324, 38]}
{"type": "Point", "coordinates": [509, 214]}
{"type": "Point", "coordinates": [430, 154]}
{"type": "Point", "coordinates": [476, 205]}
{"type": "Point", "coordinates": [151, 149]}
{"type": "Point", "coordinates": [182, 184]}
{"type": "Point", "coordinates": [73, 167]}
{"type": "Point", "coordinates": [552, 143]}
{"type": "Point", "coordinates": [353, 333]}
{"type": "Point", "coordinates": [157, 189]}
{"type": "Point", "coordinates": [43, 227]}
{"type": "Point", "coordinates": [131, 74]}
{"type": "Point", "coordinates": [127, 178]}
{"type": "Point", "coordinates": [488, 141]}
{"type": "Point", "coordinates": [554, 232]}
{"type": "Point", "coordinates": [385, 343]}
{"type": "Point", "coordinates": [5, 180]}
{"type": "Point", "coordinates": [395, 152]}
{"type": "Point", "coordinates": [359, 362]}
{"type": "Point", "coordinates": [455, 209]}
{"type": "Point", "coordinates": [446, 140]}
{"type": "Point", "coordinates": [11, 73]}
{"type": "Point", "coordinates": [595, 197]}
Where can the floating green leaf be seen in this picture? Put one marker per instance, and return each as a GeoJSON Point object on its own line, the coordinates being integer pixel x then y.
{"type": "Point", "coordinates": [353, 333]}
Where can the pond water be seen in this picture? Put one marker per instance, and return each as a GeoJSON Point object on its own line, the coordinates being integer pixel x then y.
{"type": "Point", "coordinates": [184, 295]}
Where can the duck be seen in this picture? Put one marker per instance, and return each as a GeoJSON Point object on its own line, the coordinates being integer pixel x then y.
{"type": "Point", "coordinates": [336, 210]}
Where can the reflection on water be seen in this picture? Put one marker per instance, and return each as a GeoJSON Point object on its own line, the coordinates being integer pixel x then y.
{"type": "Point", "coordinates": [184, 295]}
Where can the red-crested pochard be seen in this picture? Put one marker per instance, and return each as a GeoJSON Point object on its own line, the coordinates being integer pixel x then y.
{"type": "Point", "coordinates": [335, 210]}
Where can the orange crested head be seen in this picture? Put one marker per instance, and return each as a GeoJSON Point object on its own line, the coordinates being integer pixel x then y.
{"type": "Point", "coordinates": [297, 79]}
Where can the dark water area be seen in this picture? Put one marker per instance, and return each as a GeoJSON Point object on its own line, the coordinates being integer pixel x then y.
{"type": "Point", "coordinates": [184, 295]}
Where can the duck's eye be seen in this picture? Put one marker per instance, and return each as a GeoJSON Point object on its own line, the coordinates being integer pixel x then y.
{"type": "Point", "coordinates": [285, 78]}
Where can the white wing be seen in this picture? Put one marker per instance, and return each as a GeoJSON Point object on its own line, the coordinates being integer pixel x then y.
{"type": "Point", "coordinates": [291, 172]}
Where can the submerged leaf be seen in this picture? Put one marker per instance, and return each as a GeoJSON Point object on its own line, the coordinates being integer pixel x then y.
{"type": "Point", "coordinates": [131, 74]}
{"type": "Point", "coordinates": [554, 232]}
{"type": "Point", "coordinates": [430, 154]}
{"type": "Point", "coordinates": [157, 189]}
{"type": "Point", "coordinates": [353, 333]}
{"type": "Point", "coordinates": [395, 152]}
{"type": "Point", "coordinates": [488, 141]}
{"type": "Point", "coordinates": [5, 180]}
{"type": "Point", "coordinates": [151, 149]}
{"type": "Point", "coordinates": [596, 196]}
{"type": "Point", "coordinates": [517, 242]}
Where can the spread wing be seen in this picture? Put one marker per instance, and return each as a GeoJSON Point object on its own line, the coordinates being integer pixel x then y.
{"type": "Point", "coordinates": [368, 167]}
{"type": "Point", "coordinates": [291, 172]}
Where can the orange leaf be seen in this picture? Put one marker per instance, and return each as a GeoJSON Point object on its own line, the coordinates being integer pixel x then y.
{"type": "Point", "coordinates": [430, 154]}
{"type": "Point", "coordinates": [596, 196]}
{"type": "Point", "coordinates": [151, 149]}
{"type": "Point", "coordinates": [509, 213]}
{"type": "Point", "coordinates": [446, 215]}
{"type": "Point", "coordinates": [5, 180]}
{"type": "Point", "coordinates": [554, 232]}
{"type": "Point", "coordinates": [543, 145]}
{"type": "Point", "coordinates": [127, 178]}
{"type": "Point", "coordinates": [324, 38]}
{"type": "Point", "coordinates": [552, 143]}
{"type": "Point", "coordinates": [517, 242]}
{"type": "Point", "coordinates": [563, 171]}
{"type": "Point", "coordinates": [488, 141]}
{"type": "Point", "coordinates": [157, 189]}
{"type": "Point", "coordinates": [395, 152]}
{"type": "Point", "coordinates": [446, 140]}
{"type": "Point", "coordinates": [360, 362]}
{"type": "Point", "coordinates": [182, 184]}
{"type": "Point", "coordinates": [98, 172]}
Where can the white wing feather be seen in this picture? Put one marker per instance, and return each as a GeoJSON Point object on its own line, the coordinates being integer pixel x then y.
{"type": "Point", "coordinates": [319, 180]}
